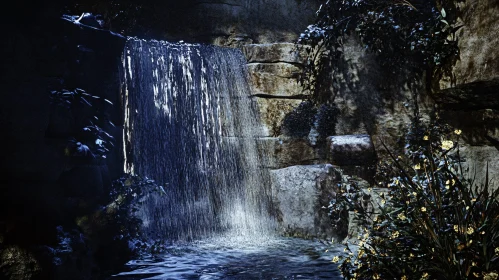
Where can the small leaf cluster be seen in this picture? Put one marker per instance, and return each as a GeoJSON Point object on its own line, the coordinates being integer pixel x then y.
{"type": "Point", "coordinates": [90, 139]}
{"type": "Point", "coordinates": [349, 197]}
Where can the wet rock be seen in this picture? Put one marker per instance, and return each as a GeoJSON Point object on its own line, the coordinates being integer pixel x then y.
{"type": "Point", "coordinates": [90, 20]}
{"type": "Point", "coordinates": [274, 53]}
{"type": "Point", "coordinates": [276, 80]}
{"type": "Point", "coordinates": [273, 111]}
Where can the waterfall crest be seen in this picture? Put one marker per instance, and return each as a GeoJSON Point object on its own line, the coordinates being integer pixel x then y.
{"type": "Point", "coordinates": [191, 125]}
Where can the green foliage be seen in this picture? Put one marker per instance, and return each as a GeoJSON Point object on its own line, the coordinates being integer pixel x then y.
{"type": "Point", "coordinates": [299, 121]}
{"type": "Point", "coordinates": [88, 139]}
{"type": "Point", "coordinates": [133, 17]}
{"type": "Point", "coordinates": [349, 197]}
{"type": "Point", "coordinates": [404, 36]}
{"type": "Point", "coordinates": [128, 194]}
{"type": "Point", "coordinates": [435, 223]}
{"type": "Point", "coordinates": [326, 119]}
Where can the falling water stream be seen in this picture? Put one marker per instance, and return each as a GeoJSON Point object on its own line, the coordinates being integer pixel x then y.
{"type": "Point", "coordinates": [191, 126]}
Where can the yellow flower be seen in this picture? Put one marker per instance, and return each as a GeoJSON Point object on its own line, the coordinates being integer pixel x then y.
{"type": "Point", "coordinates": [376, 276]}
{"type": "Point", "coordinates": [336, 259]}
{"type": "Point", "coordinates": [425, 276]}
{"type": "Point", "coordinates": [401, 216]}
{"type": "Point", "coordinates": [496, 251]}
{"type": "Point", "coordinates": [417, 166]}
{"type": "Point", "coordinates": [456, 228]}
{"type": "Point", "coordinates": [395, 234]}
{"type": "Point", "coordinates": [491, 276]}
{"type": "Point", "coordinates": [383, 201]}
{"type": "Point", "coordinates": [447, 144]}
{"type": "Point", "coordinates": [457, 131]}
{"type": "Point", "coordinates": [423, 209]}
{"type": "Point", "coordinates": [426, 138]}
{"type": "Point", "coordinates": [470, 230]}
{"type": "Point", "coordinates": [414, 194]}
{"type": "Point", "coordinates": [473, 263]}
{"type": "Point", "coordinates": [403, 278]}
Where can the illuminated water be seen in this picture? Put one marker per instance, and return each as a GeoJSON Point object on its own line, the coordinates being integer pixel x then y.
{"type": "Point", "coordinates": [280, 258]}
{"type": "Point", "coordinates": [191, 125]}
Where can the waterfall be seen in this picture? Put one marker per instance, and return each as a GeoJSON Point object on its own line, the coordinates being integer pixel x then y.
{"type": "Point", "coordinates": [191, 125]}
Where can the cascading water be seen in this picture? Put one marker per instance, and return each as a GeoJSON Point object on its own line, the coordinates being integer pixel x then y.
{"type": "Point", "coordinates": [191, 125]}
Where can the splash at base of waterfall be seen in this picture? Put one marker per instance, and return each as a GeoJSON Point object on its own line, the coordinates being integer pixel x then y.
{"type": "Point", "coordinates": [243, 259]}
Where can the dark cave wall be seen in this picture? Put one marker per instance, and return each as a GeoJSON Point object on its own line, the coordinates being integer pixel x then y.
{"type": "Point", "coordinates": [41, 185]}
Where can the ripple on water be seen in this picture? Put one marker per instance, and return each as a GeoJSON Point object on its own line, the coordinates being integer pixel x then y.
{"type": "Point", "coordinates": [239, 258]}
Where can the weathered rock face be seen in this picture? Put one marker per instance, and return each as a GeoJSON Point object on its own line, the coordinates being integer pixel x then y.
{"type": "Point", "coordinates": [273, 72]}
{"type": "Point", "coordinates": [237, 22]}
{"type": "Point", "coordinates": [478, 160]}
{"type": "Point", "coordinates": [469, 96]}
{"type": "Point", "coordinates": [477, 40]}
{"type": "Point", "coordinates": [301, 194]}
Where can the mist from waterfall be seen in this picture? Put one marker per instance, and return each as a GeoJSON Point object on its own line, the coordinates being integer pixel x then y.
{"type": "Point", "coordinates": [191, 125]}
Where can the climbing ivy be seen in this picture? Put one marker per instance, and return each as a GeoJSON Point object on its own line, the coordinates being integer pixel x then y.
{"type": "Point", "coordinates": [404, 36]}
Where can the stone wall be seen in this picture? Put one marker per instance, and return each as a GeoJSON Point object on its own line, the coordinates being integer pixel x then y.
{"type": "Point", "coordinates": [240, 22]}
{"type": "Point", "coordinates": [372, 101]}
{"type": "Point", "coordinates": [469, 92]}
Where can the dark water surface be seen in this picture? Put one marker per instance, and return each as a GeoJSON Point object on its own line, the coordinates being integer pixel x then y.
{"type": "Point", "coordinates": [279, 258]}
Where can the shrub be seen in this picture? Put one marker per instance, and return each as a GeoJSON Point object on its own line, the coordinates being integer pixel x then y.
{"type": "Point", "coordinates": [404, 35]}
{"type": "Point", "coordinates": [89, 138]}
{"type": "Point", "coordinates": [298, 122]}
{"type": "Point", "coordinates": [435, 222]}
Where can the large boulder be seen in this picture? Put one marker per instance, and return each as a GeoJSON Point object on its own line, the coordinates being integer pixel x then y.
{"type": "Point", "coordinates": [301, 194]}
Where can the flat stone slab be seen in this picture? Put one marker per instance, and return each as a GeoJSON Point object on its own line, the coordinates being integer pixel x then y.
{"type": "Point", "coordinates": [345, 150]}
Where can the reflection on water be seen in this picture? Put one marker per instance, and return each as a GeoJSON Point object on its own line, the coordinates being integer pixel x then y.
{"type": "Point", "coordinates": [222, 258]}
